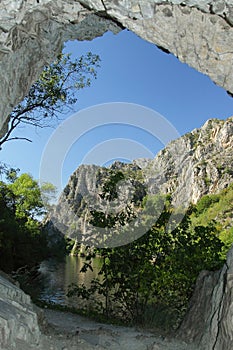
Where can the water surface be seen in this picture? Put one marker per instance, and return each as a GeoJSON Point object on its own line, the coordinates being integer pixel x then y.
{"type": "Point", "coordinates": [56, 277]}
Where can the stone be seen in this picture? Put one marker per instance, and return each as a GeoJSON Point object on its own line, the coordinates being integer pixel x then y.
{"type": "Point", "coordinates": [211, 310]}
{"type": "Point", "coordinates": [32, 32]}
{"type": "Point", "coordinates": [190, 166]}
{"type": "Point", "coordinates": [18, 318]}
{"type": "Point", "coordinates": [182, 169]}
{"type": "Point", "coordinates": [182, 165]}
{"type": "Point", "coordinates": [187, 168]}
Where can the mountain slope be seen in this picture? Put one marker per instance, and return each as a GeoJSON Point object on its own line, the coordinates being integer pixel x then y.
{"type": "Point", "coordinates": [194, 165]}
{"type": "Point", "coordinates": [217, 208]}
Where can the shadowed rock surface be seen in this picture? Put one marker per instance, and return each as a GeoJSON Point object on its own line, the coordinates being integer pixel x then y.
{"type": "Point", "coordinates": [19, 329]}
{"type": "Point", "coordinates": [209, 320]}
{"type": "Point", "coordinates": [32, 32]}
{"type": "Point", "coordinates": [18, 319]}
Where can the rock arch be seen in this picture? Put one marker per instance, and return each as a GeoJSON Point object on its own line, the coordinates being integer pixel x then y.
{"type": "Point", "coordinates": [198, 32]}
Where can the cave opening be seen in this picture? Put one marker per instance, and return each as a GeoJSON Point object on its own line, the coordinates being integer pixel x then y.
{"type": "Point", "coordinates": [132, 71]}
{"type": "Point", "coordinates": [135, 71]}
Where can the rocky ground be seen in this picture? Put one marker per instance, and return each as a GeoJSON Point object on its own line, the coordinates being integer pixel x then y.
{"type": "Point", "coordinates": [67, 331]}
{"type": "Point", "coordinates": [24, 326]}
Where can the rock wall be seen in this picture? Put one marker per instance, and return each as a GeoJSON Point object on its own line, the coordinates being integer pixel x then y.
{"type": "Point", "coordinates": [204, 151]}
{"type": "Point", "coordinates": [32, 32]}
{"type": "Point", "coordinates": [196, 164]}
{"type": "Point", "coordinates": [209, 320]}
{"type": "Point", "coordinates": [18, 320]}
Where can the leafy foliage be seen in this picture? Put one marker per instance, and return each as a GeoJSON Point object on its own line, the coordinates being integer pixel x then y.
{"type": "Point", "coordinates": [27, 197]}
{"type": "Point", "coordinates": [217, 210]}
{"type": "Point", "coordinates": [49, 194]}
{"type": "Point", "coordinates": [205, 202]}
{"type": "Point", "coordinates": [157, 270]}
{"type": "Point", "coordinates": [109, 191]}
{"type": "Point", "coordinates": [53, 93]}
{"type": "Point", "coordinates": [22, 240]}
{"type": "Point", "coordinates": [152, 278]}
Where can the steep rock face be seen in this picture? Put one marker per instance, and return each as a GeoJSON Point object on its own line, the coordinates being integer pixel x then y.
{"type": "Point", "coordinates": [196, 164]}
{"type": "Point", "coordinates": [209, 320]}
{"type": "Point", "coordinates": [18, 320]}
{"type": "Point", "coordinates": [32, 32]}
{"type": "Point", "coordinates": [93, 189]}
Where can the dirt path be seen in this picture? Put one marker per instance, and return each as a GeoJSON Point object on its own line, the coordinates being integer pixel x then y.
{"type": "Point", "coordinates": [67, 331]}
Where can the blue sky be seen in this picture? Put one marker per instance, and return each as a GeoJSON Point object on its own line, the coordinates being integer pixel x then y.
{"type": "Point", "coordinates": [132, 71]}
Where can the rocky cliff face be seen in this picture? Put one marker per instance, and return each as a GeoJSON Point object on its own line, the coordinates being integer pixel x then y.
{"type": "Point", "coordinates": [198, 32]}
{"type": "Point", "coordinates": [18, 320]}
{"type": "Point", "coordinates": [209, 320]}
{"type": "Point", "coordinates": [114, 192]}
{"type": "Point", "coordinates": [196, 164]}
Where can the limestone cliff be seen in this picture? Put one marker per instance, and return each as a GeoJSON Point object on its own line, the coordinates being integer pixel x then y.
{"type": "Point", "coordinates": [196, 164]}
{"type": "Point", "coordinates": [199, 33]}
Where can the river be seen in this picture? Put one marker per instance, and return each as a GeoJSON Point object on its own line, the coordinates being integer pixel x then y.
{"type": "Point", "coordinates": [56, 276]}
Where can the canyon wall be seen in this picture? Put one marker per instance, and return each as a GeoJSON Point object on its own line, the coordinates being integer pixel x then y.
{"type": "Point", "coordinates": [194, 165]}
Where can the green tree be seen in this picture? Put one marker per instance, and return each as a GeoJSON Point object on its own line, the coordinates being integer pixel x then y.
{"type": "Point", "coordinates": [53, 93]}
{"type": "Point", "coordinates": [27, 197]}
{"type": "Point", "coordinates": [8, 228]}
{"type": "Point", "coordinates": [22, 239]}
{"type": "Point", "coordinates": [49, 194]}
{"type": "Point", "coordinates": [205, 202]}
{"type": "Point", "coordinates": [157, 270]}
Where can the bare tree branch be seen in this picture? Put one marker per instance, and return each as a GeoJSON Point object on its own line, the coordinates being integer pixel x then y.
{"type": "Point", "coordinates": [19, 138]}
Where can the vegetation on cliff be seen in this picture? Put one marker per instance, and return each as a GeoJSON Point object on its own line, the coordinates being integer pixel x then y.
{"type": "Point", "coordinates": [152, 278]}
{"type": "Point", "coordinates": [218, 210]}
